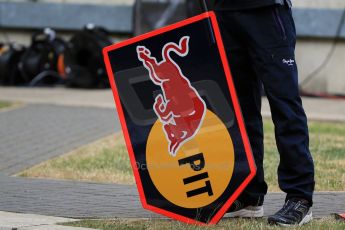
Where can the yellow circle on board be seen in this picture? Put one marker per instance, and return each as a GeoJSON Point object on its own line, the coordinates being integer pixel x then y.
{"type": "Point", "coordinates": [178, 181]}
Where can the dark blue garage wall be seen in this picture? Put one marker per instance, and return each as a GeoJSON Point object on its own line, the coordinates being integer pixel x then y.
{"type": "Point", "coordinates": [65, 16]}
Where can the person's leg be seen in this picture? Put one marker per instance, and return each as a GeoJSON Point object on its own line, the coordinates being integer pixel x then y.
{"type": "Point", "coordinates": [270, 33]}
{"type": "Point", "coordinates": [248, 89]}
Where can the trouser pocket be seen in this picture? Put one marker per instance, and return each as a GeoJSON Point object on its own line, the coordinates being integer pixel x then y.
{"type": "Point", "coordinates": [279, 21]}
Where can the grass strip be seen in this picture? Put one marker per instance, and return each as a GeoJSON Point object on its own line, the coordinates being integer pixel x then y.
{"type": "Point", "coordinates": [248, 224]}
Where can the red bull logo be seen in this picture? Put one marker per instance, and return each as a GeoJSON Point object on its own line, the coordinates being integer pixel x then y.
{"type": "Point", "coordinates": [180, 108]}
{"type": "Point", "coordinates": [187, 130]}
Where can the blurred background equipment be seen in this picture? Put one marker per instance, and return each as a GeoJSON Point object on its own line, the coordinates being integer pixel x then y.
{"type": "Point", "coordinates": [10, 54]}
{"type": "Point", "coordinates": [39, 63]}
{"type": "Point", "coordinates": [50, 60]}
{"type": "Point", "coordinates": [154, 14]}
{"type": "Point", "coordinates": [83, 65]}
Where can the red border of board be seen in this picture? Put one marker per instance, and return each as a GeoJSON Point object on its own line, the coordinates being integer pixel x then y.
{"type": "Point", "coordinates": [235, 102]}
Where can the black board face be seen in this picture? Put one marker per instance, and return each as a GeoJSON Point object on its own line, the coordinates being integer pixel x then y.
{"type": "Point", "coordinates": [181, 120]}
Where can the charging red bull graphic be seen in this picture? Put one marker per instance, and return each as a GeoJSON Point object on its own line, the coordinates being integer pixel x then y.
{"type": "Point", "coordinates": [180, 108]}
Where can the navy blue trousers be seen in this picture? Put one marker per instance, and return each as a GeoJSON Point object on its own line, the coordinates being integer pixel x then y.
{"type": "Point", "coordinates": [260, 45]}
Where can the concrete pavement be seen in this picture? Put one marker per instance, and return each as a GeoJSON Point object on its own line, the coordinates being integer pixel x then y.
{"type": "Point", "coordinates": [11, 221]}
{"type": "Point", "coordinates": [59, 96]}
{"type": "Point", "coordinates": [316, 108]}
{"type": "Point", "coordinates": [35, 133]}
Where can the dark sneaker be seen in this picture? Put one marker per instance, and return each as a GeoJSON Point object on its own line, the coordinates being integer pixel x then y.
{"type": "Point", "coordinates": [239, 209]}
{"type": "Point", "coordinates": [294, 212]}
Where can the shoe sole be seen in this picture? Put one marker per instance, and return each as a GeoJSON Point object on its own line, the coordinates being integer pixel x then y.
{"type": "Point", "coordinates": [256, 212]}
{"type": "Point", "coordinates": [305, 220]}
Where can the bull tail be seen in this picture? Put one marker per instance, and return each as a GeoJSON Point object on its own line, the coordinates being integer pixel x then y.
{"type": "Point", "coordinates": [182, 49]}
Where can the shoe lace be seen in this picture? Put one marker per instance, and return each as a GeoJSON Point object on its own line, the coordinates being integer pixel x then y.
{"type": "Point", "coordinates": [293, 210]}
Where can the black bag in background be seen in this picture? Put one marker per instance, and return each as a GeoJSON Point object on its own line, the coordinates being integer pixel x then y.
{"type": "Point", "coordinates": [83, 60]}
{"type": "Point", "coordinates": [10, 55]}
{"type": "Point", "coordinates": [39, 63]}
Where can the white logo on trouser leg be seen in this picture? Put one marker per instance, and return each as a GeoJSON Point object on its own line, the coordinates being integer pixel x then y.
{"type": "Point", "coordinates": [289, 62]}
